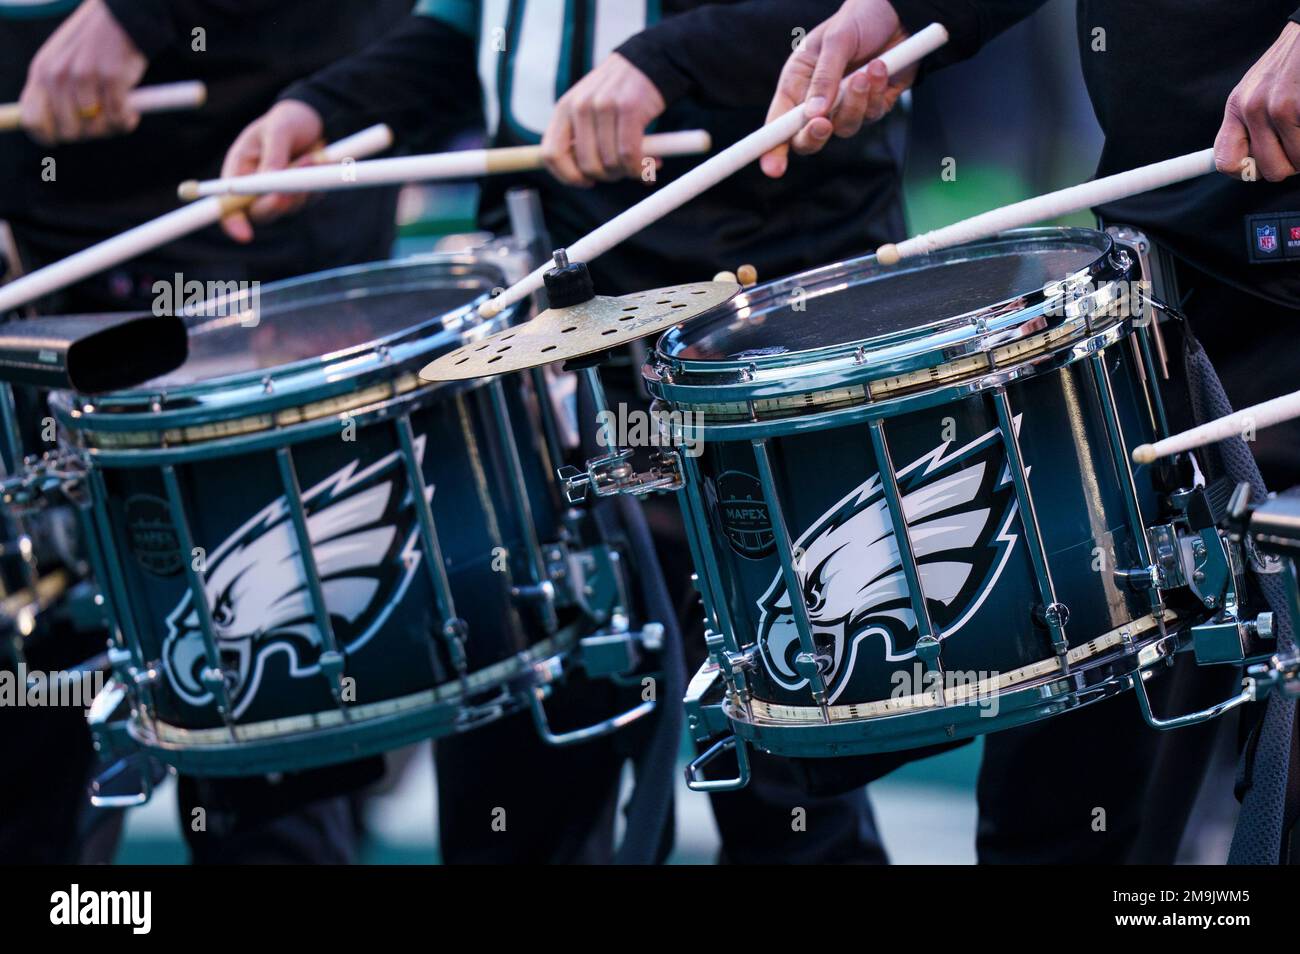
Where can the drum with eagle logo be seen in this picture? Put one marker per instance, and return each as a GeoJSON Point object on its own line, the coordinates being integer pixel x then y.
{"type": "Point", "coordinates": [311, 555]}
{"type": "Point", "coordinates": [911, 507]}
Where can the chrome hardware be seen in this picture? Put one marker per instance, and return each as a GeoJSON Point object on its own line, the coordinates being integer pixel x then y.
{"type": "Point", "coordinates": [696, 783]}
{"type": "Point", "coordinates": [1138, 679]}
{"type": "Point", "coordinates": [616, 474]}
{"type": "Point", "coordinates": [705, 717]}
{"type": "Point", "coordinates": [1277, 673]}
{"type": "Point", "coordinates": [1209, 568]}
{"type": "Point", "coordinates": [1226, 639]}
{"type": "Point", "coordinates": [1166, 554]}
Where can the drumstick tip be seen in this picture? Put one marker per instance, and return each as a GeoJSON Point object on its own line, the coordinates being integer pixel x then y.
{"type": "Point", "coordinates": [1144, 454]}
{"type": "Point", "coordinates": [888, 254]}
{"type": "Point", "coordinates": [489, 309]}
{"type": "Point", "coordinates": [188, 190]}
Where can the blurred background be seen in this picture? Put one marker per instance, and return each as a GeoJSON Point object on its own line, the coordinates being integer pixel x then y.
{"type": "Point", "coordinates": [1026, 88]}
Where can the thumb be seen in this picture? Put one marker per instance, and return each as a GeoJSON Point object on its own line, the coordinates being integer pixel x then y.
{"type": "Point", "coordinates": [1231, 145]}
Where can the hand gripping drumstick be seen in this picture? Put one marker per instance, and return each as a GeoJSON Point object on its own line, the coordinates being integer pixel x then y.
{"type": "Point", "coordinates": [164, 229]}
{"type": "Point", "coordinates": [165, 97]}
{"type": "Point", "coordinates": [1238, 424]}
{"type": "Point", "coordinates": [707, 174]}
{"type": "Point", "coordinates": [460, 164]}
{"type": "Point", "coordinates": [1054, 204]}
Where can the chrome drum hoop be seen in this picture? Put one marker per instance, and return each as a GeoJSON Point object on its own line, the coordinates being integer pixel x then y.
{"type": "Point", "coordinates": [1116, 660]}
{"type": "Point", "coordinates": [451, 708]}
{"type": "Point", "coordinates": [1012, 335]}
{"type": "Point", "coordinates": [181, 420]}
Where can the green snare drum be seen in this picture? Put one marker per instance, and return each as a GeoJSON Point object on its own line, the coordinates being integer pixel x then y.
{"type": "Point", "coordinates": [311, 555]}
{"type": "Point", "coordinates": [910, 500]}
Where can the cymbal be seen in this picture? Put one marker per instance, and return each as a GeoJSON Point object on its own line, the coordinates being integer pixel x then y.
{"type": "Point", "coordinates": [561, 334]}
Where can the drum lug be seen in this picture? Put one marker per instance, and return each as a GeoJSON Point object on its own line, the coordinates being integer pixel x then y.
{"type": "Point", "coordinates": [1166, 554]}
{"type": "Point", "coordinates": [616, 474]}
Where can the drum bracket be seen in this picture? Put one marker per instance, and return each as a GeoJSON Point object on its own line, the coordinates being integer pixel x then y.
{"type": "Point", "coordinates": [616, 474]}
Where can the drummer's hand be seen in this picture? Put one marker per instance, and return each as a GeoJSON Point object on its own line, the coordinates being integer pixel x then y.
{"type": "Point", "coordinates": [596, 131]}
{"type": "Point", "coordinates": [1262, 118]}
{"type": "Point", "coordinates": [288, 134]}
{"type": "Point", "coordinates": [77, 84]}
{"type": "Point", "coordinates": [858, 32]}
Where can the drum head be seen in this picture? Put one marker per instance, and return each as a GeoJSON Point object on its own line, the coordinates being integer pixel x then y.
{"type": "Point", "coordinates": [863, 303]}
{"type": "Point", "coordinates": [324, 316]}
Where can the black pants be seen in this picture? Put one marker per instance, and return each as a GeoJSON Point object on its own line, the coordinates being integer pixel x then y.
{"type": "Point", "coordinates": [505, 796]}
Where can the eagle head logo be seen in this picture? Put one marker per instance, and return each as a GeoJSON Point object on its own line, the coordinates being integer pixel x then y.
{"type": "Point", "coordinates": [959, 506]}
{"type": "Point", "coordinates": [363, 533]}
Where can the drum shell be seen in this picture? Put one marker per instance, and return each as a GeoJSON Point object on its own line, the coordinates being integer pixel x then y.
{"type": "Point", "coordinates": [394, 647]}
{"type": "Point", "coordinates": [991, 626]}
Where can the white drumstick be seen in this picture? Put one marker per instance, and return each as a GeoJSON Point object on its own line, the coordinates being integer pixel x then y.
{"type": "Point", "coordinates": [1054, 204]}
{"type": "Point", "coordinates": [165, 97]}
{"type": "Point", "coordinates": [707, 174]}
{"type": "Point", "coordinates": [1241, 423]}
{"type": "Point", "coordinates": [460, 164]}
{"type": "Point", "coordinates": [164, 229]}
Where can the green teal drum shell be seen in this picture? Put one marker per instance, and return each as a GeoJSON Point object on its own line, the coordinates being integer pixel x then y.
{"type": "Point", "coordinates": [952, 470]}
{"type": "Point", "coordinates": [360, 510]}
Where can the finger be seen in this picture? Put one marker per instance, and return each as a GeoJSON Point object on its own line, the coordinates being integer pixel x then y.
{"type": "Point", "coordinates": [1270, 158]}
{"type": "Point", "coordinates": [237, 226]}
{"type": "Point", "coordinates": [852, 110]}
{"type": "Point", "coordinates": [117, 114]}
{"type": "Point", "coordinates": [36, 117]}
{"type": "Point", "coordinates": [268, 208]}
{"type": "Point", "coordinates": [557, 150]}
{"type": "Point", "coordinates": [585, 149]}
{"type": "Point", "coordinates": [832, 63]}
{"type": "Point", "coordinates": [813, 136]}
{"type": "Point", "coordinates": [790, 91]}
{"type": "Point", "coordinates": [607, 122]}
{"type": "Point", "coordinates": [274, 150]}
{"type": "Point", "coordinates": [89, 99]}
{"type": "Point", "coordinates": [63, 109]}
{"type": "Point", "coordinates": [1287, 129]}
{"type": "Point", "coordinates": [631, 145]}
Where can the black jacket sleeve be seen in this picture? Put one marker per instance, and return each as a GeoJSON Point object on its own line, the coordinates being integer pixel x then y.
{"type": "Point", "coordinates": [421, 79]}
{"type": "Point", "coordinates": [151, 24]}
{"type": "Point", "coordinates": [727, 55]}
{"type": "Point", "coordinates": [154, 25]}
{"type": "Point", "coordinates": [970, 23]}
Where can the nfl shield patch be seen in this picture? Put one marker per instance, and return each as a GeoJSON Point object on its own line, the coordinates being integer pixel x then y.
{"type": "Point", "coordinates": [1266, 238]}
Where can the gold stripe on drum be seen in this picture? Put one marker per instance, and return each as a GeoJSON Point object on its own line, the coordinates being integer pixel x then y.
{"type": "Point", "coordinates": [969, 692]}
{"type": "Point", "coordinates": [251, 424]}
{"type": "Point", "coordinates": [476, 681]}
